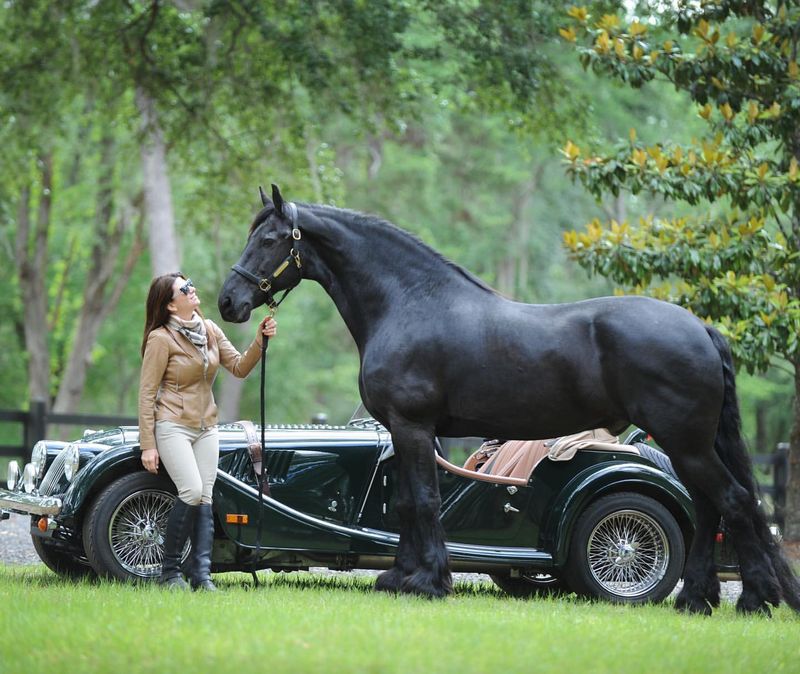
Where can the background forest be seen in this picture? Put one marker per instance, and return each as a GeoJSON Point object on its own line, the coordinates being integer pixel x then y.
{"type": "Point", "coordinates": [135, 133]}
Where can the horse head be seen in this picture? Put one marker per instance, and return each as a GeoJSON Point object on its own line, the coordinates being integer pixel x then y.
{"type": "Point", "coordinates": [269, 263]}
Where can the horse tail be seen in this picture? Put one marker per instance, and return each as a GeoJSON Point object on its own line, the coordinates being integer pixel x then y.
{"type": "Point", "coordinates": [730, 447]}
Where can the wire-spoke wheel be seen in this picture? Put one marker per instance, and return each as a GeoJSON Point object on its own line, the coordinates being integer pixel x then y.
{"type": "Point", "coordinates": [124, 530]}
{"type": "Point", "coordinates": [627, 548]}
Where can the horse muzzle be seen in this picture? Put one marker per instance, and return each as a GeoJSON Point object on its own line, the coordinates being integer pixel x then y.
{"type": "Point", "coordinates": [232, 310]}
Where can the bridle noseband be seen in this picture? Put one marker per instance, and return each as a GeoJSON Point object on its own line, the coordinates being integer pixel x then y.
{"type": "Point", "coordinates": [265, 284]}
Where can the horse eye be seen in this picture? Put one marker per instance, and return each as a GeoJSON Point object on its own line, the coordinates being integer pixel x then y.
{"type": "Point", "coordinates": [269, 238]}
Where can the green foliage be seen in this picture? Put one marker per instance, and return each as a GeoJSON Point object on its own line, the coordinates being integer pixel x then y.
{"type": "Point", "coordinates": [438, 116]}
{"type": "Point", "coordinates": [258, 91]}
{"type": "Point", "coordinates": [736, 264]}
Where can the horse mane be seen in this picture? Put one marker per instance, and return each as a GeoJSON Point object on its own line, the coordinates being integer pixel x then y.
{"type": "Point", "coordinates": [366, 220]}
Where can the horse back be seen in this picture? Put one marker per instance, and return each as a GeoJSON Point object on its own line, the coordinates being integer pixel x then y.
{"type": "Point", "coordinates": [552, 369]}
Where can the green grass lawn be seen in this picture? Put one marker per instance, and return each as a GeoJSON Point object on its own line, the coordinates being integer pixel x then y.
{"type": "Point", "coordinates": [311, 623]}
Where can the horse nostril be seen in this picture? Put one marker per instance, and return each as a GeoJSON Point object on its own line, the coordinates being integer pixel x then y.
{"type": "Point", "coordinates": [224, 304]}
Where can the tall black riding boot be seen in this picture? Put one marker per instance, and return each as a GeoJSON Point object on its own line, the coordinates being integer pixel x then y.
{"type": "Point", "coordinates": [179, 526]}
{"type": "Point", "coordinates": [202, 542]}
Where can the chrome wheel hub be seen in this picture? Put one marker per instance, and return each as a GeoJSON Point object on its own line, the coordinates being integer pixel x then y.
{"type": "Point", "coordinates": [146, 532]}
{"type": "Point", "coordinates": [624, 554]}
{"type": "Point", "coordinates": [628, 553]}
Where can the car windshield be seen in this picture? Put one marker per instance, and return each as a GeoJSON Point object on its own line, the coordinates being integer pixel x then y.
{"type": "Point", "coordinates": [120, 435]}
{"type": "Point", "coordinates": [363, 419]}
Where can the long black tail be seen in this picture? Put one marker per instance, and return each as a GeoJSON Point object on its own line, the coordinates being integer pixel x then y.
{"type": "Point", "coordinates": [730, 447]}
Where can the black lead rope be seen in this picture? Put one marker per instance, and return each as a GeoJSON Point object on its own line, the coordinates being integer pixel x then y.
{"type": "Point", "coordinates": [265, 285]}
{"type": "Point", "coordinates": [263, 476]}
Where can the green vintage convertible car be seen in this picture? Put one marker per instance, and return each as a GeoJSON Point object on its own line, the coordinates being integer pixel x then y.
{"type": "Point", "coordinates": [610, 522]}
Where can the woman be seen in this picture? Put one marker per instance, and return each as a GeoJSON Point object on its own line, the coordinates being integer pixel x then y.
{"type": "Point", "coordinates": [181, 352]}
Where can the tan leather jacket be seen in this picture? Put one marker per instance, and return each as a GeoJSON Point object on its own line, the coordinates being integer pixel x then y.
{"type": "Point", "coordinates": [173, 385]}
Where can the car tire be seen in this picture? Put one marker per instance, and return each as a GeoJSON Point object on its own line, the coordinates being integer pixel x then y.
{"type": "Point", "coordinates": [626, 548]}
{"type": "Point", "coordinates": [59, 561]}
{"type": "Point", "coordinates": [531, 585]}
{"type": "Point", "coordinates": [123, 532]}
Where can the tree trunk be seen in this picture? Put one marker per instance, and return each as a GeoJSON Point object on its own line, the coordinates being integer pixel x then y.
{"type": "Point", "coordinates": [792, 512]}
{"type": "Point", "coordinates": [617, 209]}
{"type": "Point", "coordinates": [375, 148]}
{"type": "Point", "coordinates": [98, 300]}
{"type": "Point", "coordinates": [32, 272]}
{"type": "Point", "coordinates": [792, 525]}
{"type": "Point", "coordinates": [514, 267]}
{"type": "Point", "coordinates": [164, 253]}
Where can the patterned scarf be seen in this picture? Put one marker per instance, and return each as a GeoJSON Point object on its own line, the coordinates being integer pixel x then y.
{"type": "Point", "coordinates": [194, 330]}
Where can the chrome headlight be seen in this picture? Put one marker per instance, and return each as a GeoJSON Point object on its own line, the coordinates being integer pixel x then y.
{"type": "Point", "coordinates": [72, 462]}
{"type": "Point", "coordinates": [29, 478]}
{"type": "Point", "coordinates": [39, 458]}
{"type": "Point", "coordinates": [13, 475]}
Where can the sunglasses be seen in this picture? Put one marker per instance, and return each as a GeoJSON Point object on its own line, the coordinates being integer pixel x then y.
{"type": "Point", "coordinates": [186, 287]}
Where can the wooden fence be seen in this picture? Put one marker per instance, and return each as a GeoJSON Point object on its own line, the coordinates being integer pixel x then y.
{"type": "Point", "coordinates": [772, 470]}
{"type": "Point", "coordinates": [35, 421]}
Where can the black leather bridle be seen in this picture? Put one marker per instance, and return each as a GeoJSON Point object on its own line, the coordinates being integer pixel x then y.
{"type": "Point", "coordinates": [265, 284]}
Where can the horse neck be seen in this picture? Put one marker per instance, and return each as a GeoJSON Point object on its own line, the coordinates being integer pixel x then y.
{"type": "Point", "coordinates": [371, 269]}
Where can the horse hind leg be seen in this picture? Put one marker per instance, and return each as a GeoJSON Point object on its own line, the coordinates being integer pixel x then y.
{"type": "Point", "coordinates": [421, 564]}
{"type": "Point", "coordinates": [760, 584]}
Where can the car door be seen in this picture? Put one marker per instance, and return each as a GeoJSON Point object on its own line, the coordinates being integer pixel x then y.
{"type": "Point", "coordinates": [325, 480]}
{"type": "Point", "coordinates": [472, 511]}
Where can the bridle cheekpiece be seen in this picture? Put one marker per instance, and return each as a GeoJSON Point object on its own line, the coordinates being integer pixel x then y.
{"type": "Point", "coordinates": [265, 284]}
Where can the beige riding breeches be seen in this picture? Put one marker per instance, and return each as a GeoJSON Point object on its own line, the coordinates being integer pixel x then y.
{"type": "Point", "coordinates": [190, 456]}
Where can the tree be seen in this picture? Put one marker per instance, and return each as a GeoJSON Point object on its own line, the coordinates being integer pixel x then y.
{"type": "Point", "coordinates": [209, 96]}
{"type": "Point", "coordinates": [52, 155]}
{"type": "Point", "coordinates": [732, 258]}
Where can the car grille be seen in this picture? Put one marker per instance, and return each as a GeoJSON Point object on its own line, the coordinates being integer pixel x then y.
{"type": "Point", "coordinates": [53, 476]}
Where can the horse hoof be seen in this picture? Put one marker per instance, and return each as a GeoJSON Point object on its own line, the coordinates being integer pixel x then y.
{"type": "Point", "coordinates": [426, 584]}
{"type": "Point", "coordinates": [697, 605]}
{"type": "Point", "coordinates": [389, 581]}
{"type": "Point", "coordinates": [750, 603]}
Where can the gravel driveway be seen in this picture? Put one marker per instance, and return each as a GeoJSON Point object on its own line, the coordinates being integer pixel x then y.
{"type": "Point", "coordinates": [16, 548]}
{"type": "Point", "coordinates": [15, 541]}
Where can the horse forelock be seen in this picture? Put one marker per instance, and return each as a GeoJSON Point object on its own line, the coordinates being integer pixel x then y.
{"type": "Point", "coordinates": [365, 220]}
{"type": "Point", "coordinates": [261, 216]}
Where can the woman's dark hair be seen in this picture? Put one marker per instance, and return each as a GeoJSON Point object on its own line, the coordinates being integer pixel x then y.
{"type": "Point", "coordinates": [159, 296]}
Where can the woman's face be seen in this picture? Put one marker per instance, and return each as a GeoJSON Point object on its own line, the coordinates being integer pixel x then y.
{"type": "Point", "coordinates": [184, 297]}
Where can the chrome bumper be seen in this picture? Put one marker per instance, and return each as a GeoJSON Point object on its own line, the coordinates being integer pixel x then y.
{"type": "Point", "coordinates": [29, 504]}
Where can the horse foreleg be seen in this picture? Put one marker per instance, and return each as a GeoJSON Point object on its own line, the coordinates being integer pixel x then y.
{"type": "Point", "coordinates": [700, 592]}
{"type": "Point", "coordinates": [431, 577]}
{"type": "Point", "coordinates": [405, 559]}
{"type": "Point", "coordinates": [421, 565]}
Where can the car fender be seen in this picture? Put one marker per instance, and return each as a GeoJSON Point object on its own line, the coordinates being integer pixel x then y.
{"type": "Point", "coordinates": [592, 483]}
{"type": "Point", "coordinates": [96, 474]}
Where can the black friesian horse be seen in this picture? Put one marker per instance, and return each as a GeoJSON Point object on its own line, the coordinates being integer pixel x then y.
{"type": "Point", "coordinates": [443, 354]}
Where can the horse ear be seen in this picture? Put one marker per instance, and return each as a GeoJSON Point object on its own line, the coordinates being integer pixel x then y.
{"type": "Point", "coordinates": [277, 198]}
{"type": "Point", "coordinates": [264, 199]}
